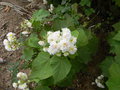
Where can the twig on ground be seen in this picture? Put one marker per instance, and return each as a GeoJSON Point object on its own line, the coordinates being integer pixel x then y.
{"type": "Point", "coordinates": [22, 11]}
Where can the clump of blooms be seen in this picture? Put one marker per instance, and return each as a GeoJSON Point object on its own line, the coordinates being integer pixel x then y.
{"type": "Point", "coordinates": [11, 43]}
{"type": "Point", "coordinates": [60, 43]}
{"type": "Point", "coordinates": [99, 81]}
{"type": "Point", "coordinates": [51, 8]}
{"type": "Point", "coordinates": [22, 81]}
{"type": "Point", "coordinates": [26, 24]}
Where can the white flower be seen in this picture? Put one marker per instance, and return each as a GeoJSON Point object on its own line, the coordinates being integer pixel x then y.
{"type": "Point", "coordinates": [66, 33]}
{"type": "Point", "coordinates": [73, 40]}
{"type": "Point", "coordinates": [49, 32]}
{"type": "Point", "coordinates": [25, 32]}
{"type": "Point", "coordinates": [41, 43]}
{"type": "Point", "coordinates": [51, 8]}
{"type": "Point", "coordinates": [28, 23]}
{"type": "Point", "coordinates": [8, 48]}
{"type": "Point", "coordinates": [100, 85]}
{"type": "Point", "coordinates": [53, 48]}
{"type": "Point", "coordinates": [45, 2]}
{"type": "Point", "coordinates": [55, 36]}
{"type": "Point", "coordinates": [45, 49]}
{"type": "Point", "coordinates": [11, 36]}
{"type": "Point", "coordinates": [99, 81]}
{"type": "Point", "coordinates": [61, 43]}
{"type": "Point", "coordinates": [72, 49]}
{"type": "Point", "coordinates": [6, 42]}
{"type": "Point", "coordinates": [22, 76]}
{"type": "Point", "coordinates": [64, 45]}
{"type": "Point", "coordinates": [15, 85]}
{"type": "Point", "coordinates": [22, 86]}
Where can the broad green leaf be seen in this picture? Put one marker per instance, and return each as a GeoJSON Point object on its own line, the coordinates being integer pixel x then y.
{"type": "Point", "coordinates": [61, 67]}
{"type": "Point", "coordinates": [85, 3]}
{"type": "Point", "coordinates": [117, 26]}
{"type": "Point", "coordinates": [113, 82]}
{"type": "Point", "coordinates": [82, 39]}
{"type": "Point", "coordinates": [75, 33]}
{"type": "Point", "coordinates": [117, 2]}
{"type": "Point", "coordinates": [117, 52]}
{"type": "Point", "coordinates": [86, 52]}
{"type": "Point", "coordinates": [42, 88]}
{"type": "Point", "coordinates": [89, 11]}
{"type": "Point", "coordinates": [105, 65]}
{"type": "Point", "coordinates": [117, 36]}
{"type": "Point", "coordinates": [33, 41]}
{"type": "Point", "coordinates": [40, 15]}
{"type": "Point", "coordinates": [41, 67]}
{"type": "Point", "coordinates": [68, 21]}
{"type": "Point", "coordinates": [27, 53]}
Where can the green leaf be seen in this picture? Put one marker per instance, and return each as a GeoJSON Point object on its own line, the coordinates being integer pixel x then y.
{"type": "Point", "coordinates": [41, 67]}
{"type": "Point", "coordinates": [42, 88]}
{"type": "Point", "coordinates": [68, 21]}
{"type": "Point", "coordinates": [27, 53]}
{"type": "Point", "coordinates": [113, 82]}
{"type": "Point", "coordinates": [82, 39]}
{"type": "Point", "coordinates": [116, 26]}
{"type": "Point", "coordinates": [117, 2]}
{"type": "Point", "coordinates": [75, 33]}
{"type": "Point", "coordinates": [61, 67]}
{"type": "Point", "coordinates": [85, 3]}
{"type": "Point", "coordinates": [105, 65]}
{"type": "Point", "coordinates": [89, 11]}
{"type": "Point", "coordinates": [117, 36]}
{"type": "Point", "coordinates": [33, 41]}
{"type": "Point", "coordinates": [40, 15]}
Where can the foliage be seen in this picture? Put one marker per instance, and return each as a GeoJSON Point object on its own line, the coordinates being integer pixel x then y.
{"type": "Point", "coordinates": [49, 70]}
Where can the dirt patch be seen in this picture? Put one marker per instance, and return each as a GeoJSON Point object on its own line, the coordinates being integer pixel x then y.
{"type": "Point", "coordinates": [9, 22]}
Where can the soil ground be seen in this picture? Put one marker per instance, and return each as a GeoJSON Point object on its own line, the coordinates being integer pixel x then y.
{"type": "Point", "coordinates": [9, 22]}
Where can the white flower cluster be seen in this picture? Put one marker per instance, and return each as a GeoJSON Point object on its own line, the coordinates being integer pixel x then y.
{"type": "Point", "coordinates": [51, 8]}
{"type": "Point", "coordinates": [11, 43]}
{"type": "Point", "coordinates": [26, 24]}
{"type": "Point", "coordinates": [99, 81]}
{"type": "Point", "coordinates": [22, 82]}
{"type": "Point", "coordinates": [60, 43]}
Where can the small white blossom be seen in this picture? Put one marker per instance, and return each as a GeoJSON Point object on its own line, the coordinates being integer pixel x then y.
{"type": "Point", "coordinates": [11, 36]}
{"type": "Point", "coordinates": [45, 2]}
{"type": "Point", "coordinates": [99, 81]}
{"type": "Point", "coordinates": [22, 86]}
{"type": "Point", "coordinates": [22, 76]}
{"type": "Point", "coordinates": [41, 43]}
{"type": "Point", "coordinates": [11, 43]}
{"type": "Point", "coordinates": [72, 49]}
{"type": "Point", "coordinates": [6, 42]}
{"type": "Point", "coordinates": [25, 32]}
{"type": "Point", "coordinates": [45, 49]}
{"type": "Point", "coordinates": [15, 85]}
{"type": "Point", "coordinates": [28, 23]}
{"type": "Point", "coordinates": [51, 8]}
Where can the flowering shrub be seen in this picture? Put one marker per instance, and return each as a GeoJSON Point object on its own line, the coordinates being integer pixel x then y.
{"type": "Point", "coordinates": [56, 45]}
